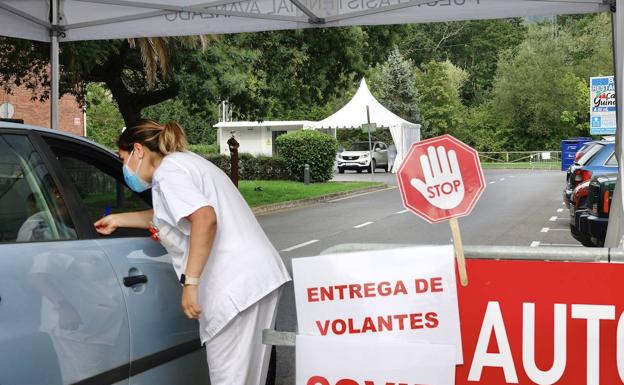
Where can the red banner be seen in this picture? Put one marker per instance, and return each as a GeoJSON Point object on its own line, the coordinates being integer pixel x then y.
{"type": "Point", "coordinates": [542, 323]}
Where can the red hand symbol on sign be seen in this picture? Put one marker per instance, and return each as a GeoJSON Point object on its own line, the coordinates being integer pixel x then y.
{"type": "Point", "coordinates": [443, 186]}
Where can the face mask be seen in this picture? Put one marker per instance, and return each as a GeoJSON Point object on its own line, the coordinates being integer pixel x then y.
{"type": "Point", "coordinates": [132, 178]}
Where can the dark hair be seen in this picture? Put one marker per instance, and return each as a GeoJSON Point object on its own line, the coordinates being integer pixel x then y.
{"type": "Point", "coordinates": [161, 139]}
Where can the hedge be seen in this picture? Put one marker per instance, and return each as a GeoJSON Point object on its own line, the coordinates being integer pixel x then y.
{"type": "Point", "coordinates": [252, 168]}
{"type": "Point", "coordinates": [314, 148]}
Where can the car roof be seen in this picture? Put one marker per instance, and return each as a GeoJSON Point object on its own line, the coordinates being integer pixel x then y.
{"type": "Point", "coordinates": [68, 135]}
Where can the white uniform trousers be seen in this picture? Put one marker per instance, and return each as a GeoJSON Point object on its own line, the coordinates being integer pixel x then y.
{"type": "Point", "coordinates": [236, 355]}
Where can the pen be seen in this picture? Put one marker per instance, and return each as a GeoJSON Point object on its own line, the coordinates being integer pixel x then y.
{"type": "Point", "coordinates": [107, 210]}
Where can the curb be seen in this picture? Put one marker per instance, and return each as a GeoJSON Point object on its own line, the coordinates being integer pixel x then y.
{"type": "Point", "coordinates": [271, 208]}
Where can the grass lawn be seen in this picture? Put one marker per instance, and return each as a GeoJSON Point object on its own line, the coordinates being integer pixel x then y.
{"type": "Point", "coordinates": [276, 191]}
{"type": "Point", "coordinates": [523, 165]}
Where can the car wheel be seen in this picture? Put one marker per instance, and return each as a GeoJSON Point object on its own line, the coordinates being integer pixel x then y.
{"type": "Point", "coordinates": [373, 166]}
{"type": "Point", "coordinates": [359, 170]}
{"type": "Point", "coordinates": [340, 170]}
{"type": "Point", "coordinates": [386, 168]}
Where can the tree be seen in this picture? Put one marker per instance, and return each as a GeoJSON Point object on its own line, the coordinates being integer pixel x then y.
{"type": "Point", "coordinates": [439, 85]}
{"type": "Point", "coordinates": [536, 93]}
{"type": "Point", "coordinates": [104, 122]}
{"type": "Point", "coordinates": [473, 45]}
{"type": "Point", "coordinates": [127, 67]}
{"type": "Point", "coordinates": [394, 84]}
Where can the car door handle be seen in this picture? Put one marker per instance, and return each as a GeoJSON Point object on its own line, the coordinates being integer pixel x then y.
{"type": "Point", "coordinates": [134, 280]}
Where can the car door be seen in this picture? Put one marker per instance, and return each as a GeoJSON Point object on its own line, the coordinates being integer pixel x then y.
{"type": "Point", "coordinates": [382, 153]}
{"type": "Point", "coordinates": [165, 346]}
{"type": "Point", "coordinates": [62, 313]}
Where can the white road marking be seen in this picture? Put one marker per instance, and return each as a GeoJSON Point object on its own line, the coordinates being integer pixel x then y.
{"type": "Point", "coordinates": [362, 225]}
{"type": "Point", "coordinates": [402, 211]}
{"type": "Point", "coordinates": [535, 244]}
{"type": "Point", "coordinates": [552, 219]}
{"type": "Point", "coordinates": [502, 179]}
{"type": "Point", "coordinates": [301, 245]}
{"type": "Point", "coordinates": [559, 210]}
{"type": "Point", "coordinates": [511, 176]}
{"type": "Point", "coordinates": [492, 182]}
{"type": "Point", "coordinates": [559, 229]}
{"type": "Point", "coordinates": [544, 230]}
{"type": "Point", "coordinates": [560, 244]}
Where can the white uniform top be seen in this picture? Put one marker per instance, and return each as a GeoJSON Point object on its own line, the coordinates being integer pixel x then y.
{"type": "Point", "coordinates": [243, 265]}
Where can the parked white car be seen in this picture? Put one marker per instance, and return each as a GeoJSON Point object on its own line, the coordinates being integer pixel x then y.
{"type": "Point", "coordinates": [358, 157]}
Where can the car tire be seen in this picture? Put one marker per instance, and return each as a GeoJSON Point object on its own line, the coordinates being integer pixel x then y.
{"type": "Point", "coordinates": [359, 170]}
{"type": "Point", "coordinates": [372, 166]}
{"type": "Point", "coordinates": [386, 169]}
{"type": "Point", "coordinates": [340, 170]}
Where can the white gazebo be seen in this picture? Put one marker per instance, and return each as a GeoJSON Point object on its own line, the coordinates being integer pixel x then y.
{"type": "Point", "coordinates": [354, 114]}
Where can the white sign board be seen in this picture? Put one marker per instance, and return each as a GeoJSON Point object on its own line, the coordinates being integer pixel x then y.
{"type": "Point", "coordinates": [332, 361]}
{"type": "Point", "coordinates": [408, 294]}
{"type": "Point", "coordinates": [602, 105]}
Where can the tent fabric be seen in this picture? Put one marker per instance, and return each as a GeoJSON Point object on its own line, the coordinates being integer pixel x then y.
{"type": "Point", "coordinates": [112, 19]}
{"type": "Point", "coordinates": [354, 114]}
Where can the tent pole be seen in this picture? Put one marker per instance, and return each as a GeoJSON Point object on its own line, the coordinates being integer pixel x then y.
{"type": "Point", "coordinates": [615, 229]}
{"type": "Point", "coordinates": [54, 63]}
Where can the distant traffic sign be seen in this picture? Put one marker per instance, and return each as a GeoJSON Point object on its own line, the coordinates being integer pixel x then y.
{"type": "Point", "coordinates": [441, 178]}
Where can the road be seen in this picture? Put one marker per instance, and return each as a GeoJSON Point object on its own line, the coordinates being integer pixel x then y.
{"type": "Point", "coordinates": [518, 208]}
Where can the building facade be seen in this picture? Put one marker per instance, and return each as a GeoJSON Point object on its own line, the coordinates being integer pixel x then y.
{"type": "Point", "coordinates": [19, 105]}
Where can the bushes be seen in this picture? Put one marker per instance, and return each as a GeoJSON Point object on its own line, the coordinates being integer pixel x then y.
{"type": "Point", "coordinates": [310, 147]}
{"type": "Point", "coordinates": [253, 168]}
{"type": "Point", "coordinates": [204, 149]}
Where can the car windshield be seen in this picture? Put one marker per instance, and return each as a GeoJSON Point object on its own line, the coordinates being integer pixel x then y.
{"type": "Point", "coordinates": [359, 146]}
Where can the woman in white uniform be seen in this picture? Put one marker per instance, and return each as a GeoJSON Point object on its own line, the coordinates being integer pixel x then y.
{"type": "Point", "coordinates": [230, 270]}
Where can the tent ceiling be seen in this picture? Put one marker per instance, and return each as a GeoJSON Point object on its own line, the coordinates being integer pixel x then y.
{"type": "Point", "coordinates": [109, 19]}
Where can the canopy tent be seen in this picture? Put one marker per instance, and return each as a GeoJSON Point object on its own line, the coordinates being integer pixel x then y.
{"type": "Point", "coordinates": [70, 20]}
{"type": "Point", "coordinates": [354, 114]}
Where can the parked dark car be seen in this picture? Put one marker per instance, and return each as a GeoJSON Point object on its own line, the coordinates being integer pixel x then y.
{"type": "Point", "coordinates": [578, 208]}
{"type": "Point", "coordinates": [599, 203]}
{"type": "Point", "coordinates": [596, 158]}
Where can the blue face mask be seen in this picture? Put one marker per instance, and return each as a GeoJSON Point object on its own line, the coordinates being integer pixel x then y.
{"type": "Point", "coordinates": [132, 178]}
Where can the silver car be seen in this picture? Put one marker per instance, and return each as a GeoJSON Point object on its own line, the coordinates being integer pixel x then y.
{"type": "Point", "coordinates": [77, 307]}
{"type": "Point", "coordinates": [358, 157]}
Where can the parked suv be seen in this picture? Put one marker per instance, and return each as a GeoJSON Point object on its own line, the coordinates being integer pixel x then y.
{"type": "Point", "coordinates": [358, 157]}
{"type": "Point", "coordinates": [76, 306]}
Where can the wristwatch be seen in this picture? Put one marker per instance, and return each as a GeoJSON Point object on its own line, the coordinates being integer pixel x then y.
{"type": "Point", "coordinates": [184, 280]}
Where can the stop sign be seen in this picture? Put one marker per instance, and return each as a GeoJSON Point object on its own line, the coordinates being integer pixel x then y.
{"type": "Point", "coordinates": [441, 178]}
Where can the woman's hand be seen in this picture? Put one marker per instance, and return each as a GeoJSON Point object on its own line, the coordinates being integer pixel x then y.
{"type": "Point", "coordinates": [107, 224]}
{"type": "Point", "coordinates": [191, 308]}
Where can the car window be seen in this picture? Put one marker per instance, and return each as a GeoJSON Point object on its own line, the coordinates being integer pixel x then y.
{"type": "Point", "coordinates": [381, 146]}
{"type": "Point", "coordinates": [359, 146]}
{"type": "Point", "coordinates": [100, 192]}
{"type": "Point", "coordinates": [612, 161]}
{"type": "Point", "coordinates": [31, 205]}
{"type": "Point", "coordinates": [591, 152]}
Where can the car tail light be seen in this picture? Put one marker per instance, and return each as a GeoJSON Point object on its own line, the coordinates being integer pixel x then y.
{"type": "Point", "coordinates": [581, 176]}
{"type": "Point", "coordinates": [605, 202]}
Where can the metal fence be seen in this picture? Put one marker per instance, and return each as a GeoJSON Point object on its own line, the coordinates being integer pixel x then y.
{"type": "Point", "coordinates": [546, 160]}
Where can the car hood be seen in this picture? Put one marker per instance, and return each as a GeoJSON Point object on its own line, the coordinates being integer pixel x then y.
{"type": "Point", "coordinates": [353, 153]}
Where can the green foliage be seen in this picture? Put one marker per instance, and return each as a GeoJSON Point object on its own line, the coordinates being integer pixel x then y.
{"type": "Point", "coordinates": [205, 149]}
{"type": "Point", "coordinates": [534, 89]}
{"type": "Point", "coordinates": [198, 129]}
{"type": "Point", "coordinates": [394, 85]}
{"type": "Point", "coordinates": [251, 167]}
{"type": "Point", "coordinates": [346, 137]}
{"type": "Point", "coordinates": [302, 147]}
{"type": "Point", "coordinates": [439, 84]}
{"type": "Point", "coordinates": [104, 122]}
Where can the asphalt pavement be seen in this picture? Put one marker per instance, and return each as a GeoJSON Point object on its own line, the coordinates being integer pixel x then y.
{"type": "Point", "coordinates": [518, 208]}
